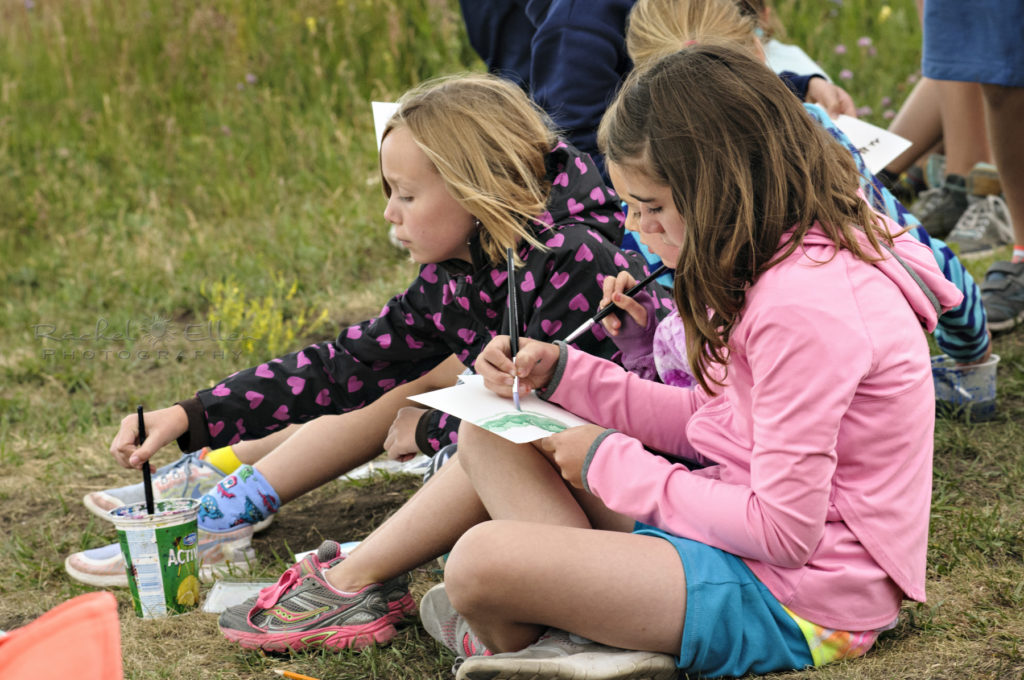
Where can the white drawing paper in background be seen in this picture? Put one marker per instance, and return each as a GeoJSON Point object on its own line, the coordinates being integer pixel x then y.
{"type": "Point", "coordinates": [474, 403]}
{"type": "Point", "coordinates": [877, 145]}
{"type": "Point", "coordinates": [382, 112]}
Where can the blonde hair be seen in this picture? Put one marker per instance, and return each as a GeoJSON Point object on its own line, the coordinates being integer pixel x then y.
{"type": "Point", "coordinates": [489, 143]}
{"type": "Point", "coordinates": [656, 28]}
{"type": "Point", "coordinates": [748, 170]}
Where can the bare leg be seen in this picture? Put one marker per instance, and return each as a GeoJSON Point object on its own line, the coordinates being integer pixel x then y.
{"type": "Point", "coordinates": [963, 126]}
{"type": "Point", "coordinates": [252, 450]}
{"type": "Point", "coordinates": [425, 527]}
{"type": "Point", "coordinates": [515, 481]}
{"type": "Point", "coordinates": [918, 120]}
{"type": "Point", "coordinates": [623, 590]}
{"type": "Point", "coordinates": [331, 445]}
{"type": "Point", "coordinates": [1004, 110]}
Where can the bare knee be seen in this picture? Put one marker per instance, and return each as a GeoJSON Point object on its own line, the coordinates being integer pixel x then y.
{"type": "Point", "coordinates": [477, 562]}
{"type": "Point", "coordinates": [472, 445]}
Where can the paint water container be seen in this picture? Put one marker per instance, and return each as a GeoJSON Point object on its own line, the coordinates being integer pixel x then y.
{"type": "Point", "coordinates": [161, 555]}
{"type": "Point", "coordinates": [965, 391]}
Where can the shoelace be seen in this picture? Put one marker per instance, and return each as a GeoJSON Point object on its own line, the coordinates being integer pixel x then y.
{"type": "Point", "coordinates": [977, 218]}
{"type": "Point", "coordinates": [270, 595]}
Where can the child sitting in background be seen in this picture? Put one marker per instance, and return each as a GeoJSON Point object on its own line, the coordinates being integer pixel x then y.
{"type": "Point", "coordinates": [803, 311]}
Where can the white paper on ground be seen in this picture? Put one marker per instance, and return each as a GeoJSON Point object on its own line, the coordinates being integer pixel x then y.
{"type": "Point", "coordinates": [227, 593]}
{"type": "Point", "coordinates": [877, 145]}
{"type": "Point", "coordinates": [474, 403]}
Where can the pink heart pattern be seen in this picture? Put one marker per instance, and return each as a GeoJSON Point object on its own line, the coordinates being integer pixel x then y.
{"type": "Point", "coordinates": [220, 391]}
{"type": "Point", "coordinates": [413, 343]}
{"type": "Point", "coordinates": [560, 279]}
{"type": "Point", "coordinates": [323, 397]}
{"type": "Point", "coordinates": [581, 165]}
{"type": "Point", "coordinates": [281, 413]}
{"type": "Point", "coordinates": [302, 360]}
{"type": "Point", "coordinates": [550, 327]}
{"type": "Point", "coordinates": [354, 384]}
{"type": "Point", "coordinates": [297, 384]}
{"type": "Point", "coordinates": [264, 371]}
{"type": "Point", "coordinates": [216, 428]}
{"type": "Point", "coordinates": [255, 399]}
{"type": "Point", "coordinates": [467, 335]}
{"type": "Point", "coordinates": [575, 207]}
{"type": "Point", "coordinates": [384, 341]}
{"type": "Point", "coordinates": [555, 241]}
{"type": "Point", "coordinates": [354, 333]}
{"type": "Point", "coordinates": [528, 283]}
{"type": "Point", "coordinates": [584, 253]}
{"type": "Point", "coordinates": [579, 303]}
{"type": "Point", "coordinates": [561, 180]}
{"type": "Point", "coordinates": [597, 194]}
{"type": "Point", "coordinates": [429, 273]}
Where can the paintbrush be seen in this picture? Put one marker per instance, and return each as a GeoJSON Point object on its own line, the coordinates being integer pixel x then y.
{"type": "Point", "coordinates": [513, 322]}
{"type": "Point", "coordinates": [605, 311]}
{"type": "Point", "coordinates": [147, 480]}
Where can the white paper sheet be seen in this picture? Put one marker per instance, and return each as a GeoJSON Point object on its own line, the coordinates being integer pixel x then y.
{"type": "Point", "coordinates": [877, 145]}
{"type": "Point", "coordinates": [382, 112]}
{"type": "Point", "coordinates": [473, 402]}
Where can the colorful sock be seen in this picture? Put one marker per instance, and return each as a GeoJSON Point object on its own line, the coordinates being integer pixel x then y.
{"type": "Point", "coordinates": [224, 459]}
{"type": "Point", "coordinates": [244, 497]}
{"type": "Point", "coordinates": [1018, 254]}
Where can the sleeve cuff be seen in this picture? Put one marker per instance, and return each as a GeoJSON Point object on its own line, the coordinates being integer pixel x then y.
{"type": "Point", "coordinates": [590, 456]}
{"type": "Point", "coordinates": [423, 432]}
{"type": "Point", "coordinates": [198, 434]}
{"type": "Point", "coordinates": [556, 377]}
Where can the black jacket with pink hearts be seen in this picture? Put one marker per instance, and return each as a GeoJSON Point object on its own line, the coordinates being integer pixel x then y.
{"type": "Point", "coordinates": [454, 307]}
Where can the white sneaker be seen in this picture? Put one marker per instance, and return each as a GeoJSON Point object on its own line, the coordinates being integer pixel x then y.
{"type": "Point", "coordinates": [230, 553]}
{"type": "Point", "coordinates": [562, 656]}
{"type": "Point", "coordinates": [983, 227]}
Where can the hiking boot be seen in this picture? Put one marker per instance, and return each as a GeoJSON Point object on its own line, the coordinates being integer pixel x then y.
{"type": "Point", "coordinates": [448, 627]}
{"type": "Point", "coordinates": [224, 554]}
{"type": "Point", "coordinates": [396, 590]}
{"type": "Point", "coordinates": [302, 610]}
{"type": "Point", "coordinates": [1002, 293]}
{"type": "Point", "coordinates": [939, 212]}
{"type": "Point", "coordinates": [558, 654]}
{"type": "Point", "coordinates": [983, 227]}
{"type": "Point", "coordinates": [983, 180]}
{"type": "Point", "coordinates": [188, 477]}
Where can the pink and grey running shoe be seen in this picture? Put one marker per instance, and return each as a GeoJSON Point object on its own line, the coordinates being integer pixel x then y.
{"type": "Point", "coordinates": [303, 610]}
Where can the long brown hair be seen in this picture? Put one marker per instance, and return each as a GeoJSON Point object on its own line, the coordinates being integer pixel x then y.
{"type": "Point", "coordinates": [750, 172]}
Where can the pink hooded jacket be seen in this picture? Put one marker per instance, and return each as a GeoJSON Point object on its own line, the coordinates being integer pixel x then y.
{"type": "Point", "coordinates": [822, 434]}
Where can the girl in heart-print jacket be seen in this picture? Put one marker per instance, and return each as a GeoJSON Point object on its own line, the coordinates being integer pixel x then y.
{"type": "Point", "coordinates": [453, 307]}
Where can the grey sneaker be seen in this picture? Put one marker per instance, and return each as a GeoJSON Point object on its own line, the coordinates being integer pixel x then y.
{"type": "Point", "coordinates": [1002, 293]}
{"type": "Point", "coordinates": [939, 212]}
{"type": "Point", "coordinates": [448, 627]}
{"type": "Point", "coordinates": [561, 655]}
{"type": "Point", "coordinates": [227, 554]}
{"type": "Point", "coordinates": [983, 227]}
{"type": "Point", "coordinates": [302, 610]}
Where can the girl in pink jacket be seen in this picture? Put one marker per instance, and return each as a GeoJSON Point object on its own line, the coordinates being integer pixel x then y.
{"type": "Point", "coordinates": [803, 313]}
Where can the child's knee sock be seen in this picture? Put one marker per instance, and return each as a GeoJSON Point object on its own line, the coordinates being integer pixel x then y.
{"type": "Point", "coordinates": [243, 498]}
{"type": "Point", "coordinates": [224, 459]}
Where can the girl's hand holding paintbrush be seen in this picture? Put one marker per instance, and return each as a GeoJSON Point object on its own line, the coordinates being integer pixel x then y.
{"type": "Point", "coordinates": [163, 426]}
{"type": "Point", "coordinates": [535, 364]}
{"type": "Point", "coordinates": [615, 293]}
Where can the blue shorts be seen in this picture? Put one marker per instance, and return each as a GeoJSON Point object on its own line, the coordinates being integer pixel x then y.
{"type": "Point", "coordinates": [977, 42]}
{"type": "Point", "coordinates": [733, 624]}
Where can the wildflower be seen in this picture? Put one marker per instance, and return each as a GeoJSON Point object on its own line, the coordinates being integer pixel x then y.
{"type": "Point", "coordinates": [311, 25]}
{"type": "Point", "coordinates": [884, 13]}
{"type": "Point", "coordinates": [845, 74]}
{"type": "Point", "coordinates": [913, 78]}
{"type": "Point", "coordinates": [250, 78]}
{"type": "Point", "coordinates": [225, 130]}
{"type": "Point", "coordinates": [864, 111]}
{"type": "Point", "coordinates": [888, 114]}
{"type": "Point", "coordinates": [864, 41]}
{"type": "Point", "coordinates": [30, 5]}
{"type": "Point", "coordinates": [872, 51]}
{"type": "Point", "coordinates": [840, 49]}
{"type": "Point", "coordinates": [886, 101]}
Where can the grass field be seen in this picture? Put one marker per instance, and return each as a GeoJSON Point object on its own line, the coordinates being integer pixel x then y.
{"type": "Point", "coordinates": [190, 188]}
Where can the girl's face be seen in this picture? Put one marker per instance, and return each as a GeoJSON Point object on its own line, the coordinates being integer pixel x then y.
{"type": "Point", "coordinates": [651, 211]}
{"type": "Point", "coordinates": [428, 221]}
